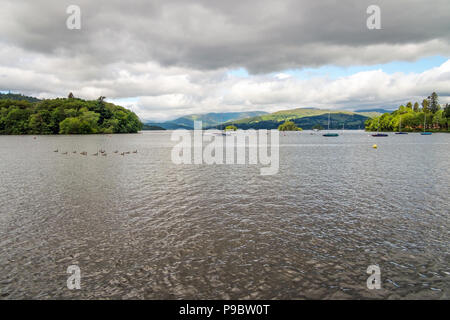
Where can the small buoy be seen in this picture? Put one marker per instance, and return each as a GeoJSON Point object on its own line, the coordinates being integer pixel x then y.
{"type": "Point", "coordinates": [374, 146]}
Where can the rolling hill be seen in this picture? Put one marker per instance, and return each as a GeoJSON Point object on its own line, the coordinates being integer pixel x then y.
{"type": "Point", "coordinates": [378, 110]}
{"type": "Point", "coordinates": [208, 119]}
{"type": "Point", "coordinates": [17, 97]}
{"type": "Point", "coordinates": [306, 118]}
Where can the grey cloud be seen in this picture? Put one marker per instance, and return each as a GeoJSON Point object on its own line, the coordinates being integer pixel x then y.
{"type": "Point", "coordinates": [174, 55]}
{"type": "Point", "coordinates": [262, 35]}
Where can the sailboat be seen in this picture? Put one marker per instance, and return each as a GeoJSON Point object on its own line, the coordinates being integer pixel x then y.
{"type": "Point", "coordinates": [378, 134]}
{"type": "Point", "coordinates": [424, 133]}
{"type": "Point", "coordinates": [400, 128]}
{"type": "Point", "coordinates": [330, 134]}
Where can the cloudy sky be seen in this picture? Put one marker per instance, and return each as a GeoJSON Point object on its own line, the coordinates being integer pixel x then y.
{"type": "Point", "coordinates": [167, 58]}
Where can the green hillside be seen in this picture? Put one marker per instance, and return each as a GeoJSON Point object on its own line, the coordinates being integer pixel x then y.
{"type": "Point", "coordinates": [305, 118]}
{"type": "Point", "coordinates": [284, 115]}
{"type": "Point", "coordinates": [370, 114]}
{"type": "Point", "coordinates": [208, 119]}
{"type": "Point", "coordinates": [17, 97]}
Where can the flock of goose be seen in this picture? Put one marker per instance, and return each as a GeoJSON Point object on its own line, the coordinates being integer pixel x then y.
{"type": "Point", "coordinates": [101, 152]}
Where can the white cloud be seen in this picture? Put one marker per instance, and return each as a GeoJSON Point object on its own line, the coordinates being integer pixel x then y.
{"type": "Point", "coordinates": [174, 57]}
{"type": "Point", "coordinates": [166, 92]}
{"type": "Point", "coordinates": [366, 89]}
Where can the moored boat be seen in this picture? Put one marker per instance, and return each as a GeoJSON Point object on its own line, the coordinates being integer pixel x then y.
{"type": "Point", "coordinates": [380, 135]}
{"type": "Point", "coordinates": [425, 133]}
{"type": "Point", "coordinates": [330, 134]}
{"type": "Point", "coordinates": [400, 128]}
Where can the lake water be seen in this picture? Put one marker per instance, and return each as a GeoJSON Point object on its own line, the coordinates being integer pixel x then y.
{"type": "Point", "coordinates": [139, 226]}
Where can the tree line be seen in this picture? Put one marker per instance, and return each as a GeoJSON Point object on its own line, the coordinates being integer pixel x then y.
{"type": "Point", "coordinates": [66, 116]}
{"type": "Point", "coordinates": [413, 117]}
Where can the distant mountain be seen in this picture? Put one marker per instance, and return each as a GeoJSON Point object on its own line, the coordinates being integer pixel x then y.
{"type": "Point", "coordinates": [305, 118]}
{"type": "Point", "coordinates": [370, 114]}
{"type": "Point", "coordinates": [208, 119]}
{"type": "Point", "coordinates": [16, 96]}
{"type": "Point", "coordinates": [379, 110]}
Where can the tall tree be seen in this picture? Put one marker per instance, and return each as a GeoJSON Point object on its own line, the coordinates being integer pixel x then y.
{"type": "Point", "coordinates": [416, 107]}
{"type": "Point", "coordinates": [101, 108]}
{"type": "Point", "coordinates": [425, 105]}
{"type": "Point", "coordinates": [434, 102]}
{"type": "Point", "coordinates": [447, 111]}
{"type": "Point", "coordinates": [409, 105]}
{"type": "Point", "coordinates": [446, 114]}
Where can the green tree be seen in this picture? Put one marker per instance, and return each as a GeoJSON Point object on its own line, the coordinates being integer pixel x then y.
{"type": "Point", "coordinates": [16, 121]}
{"type": "Point", "coordinates": [102, 109]}
{"type": "Point", "coordinates": [230, 128]}
{"type": "Point", "coordinates": [133, 123]}
{"type": "Point", "coordinates": [71, 113]}
{"type": "Point", "coordinates": [446, 114]}
{"type": "Point", "coordinates": [317, 127]}
{"type": "Point", "coordinates": [416, 107]}
{"type": "Point", "coordinates": [425, 105]}
{"type": "Point", "coordinates": [434, 102]}
{"type": "Point", "coordinates": [409, 105]}
{"type": "Point", "coordinates": [38, 123]}
{"type": "Point", "coordinates": [70, 126]}
{"type": "Point", "coordinates": [288, 126]}
{"type": "Point", "coordinates": [57, 115]}
{"type": "Point", "coordinates": [439, 119]}
{"type": "Point", "coordinates": [110, 126]}
{"type": "Point", "coordinates": [402, 109]}
{"type": "Point", "coordinates": [447, 111]}
{"type": "Point", "coordinates": [89, 120]}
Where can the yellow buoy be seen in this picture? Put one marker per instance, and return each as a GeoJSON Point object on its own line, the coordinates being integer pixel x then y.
{"type": "Point", "coordinates": [374, 146]}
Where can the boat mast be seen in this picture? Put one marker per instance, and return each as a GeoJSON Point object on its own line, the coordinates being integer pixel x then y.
{"type": "Point", "coordinates": [424, 121]}
{"type": "Point", "coordinates": [328, 121]}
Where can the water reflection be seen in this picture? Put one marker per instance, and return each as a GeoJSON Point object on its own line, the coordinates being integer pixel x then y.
{"type": "Point", "coordinates": [141, 227]}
